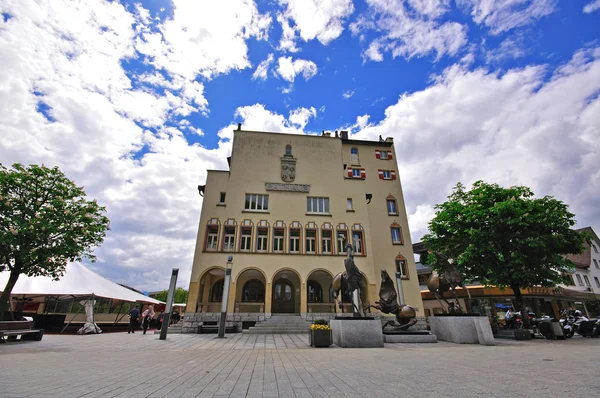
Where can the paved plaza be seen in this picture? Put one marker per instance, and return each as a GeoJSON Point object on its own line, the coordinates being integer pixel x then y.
{"type": "Point", "coordinates": [136, 365]}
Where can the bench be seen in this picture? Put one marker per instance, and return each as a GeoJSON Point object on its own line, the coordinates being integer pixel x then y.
{"type": "Point", "coordinates": [10, 330]}
{"type": "Point", "coordinates": [202, 329]}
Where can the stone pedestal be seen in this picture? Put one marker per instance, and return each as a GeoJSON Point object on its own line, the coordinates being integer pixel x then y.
{"type": "Point", "coordinates": [462, 329]}
{"type": "Point", "coordinates": [356, 333]}
{"type": "Point", "coordinates": [410, 337]}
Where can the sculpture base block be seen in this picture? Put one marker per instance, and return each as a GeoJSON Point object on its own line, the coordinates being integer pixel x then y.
{"type": "Point", "coordinates": [462, 329]}
{"type": "Point", "coordinates": [409, 337]}
{"type": "Point", "coordinates": [356, 333]}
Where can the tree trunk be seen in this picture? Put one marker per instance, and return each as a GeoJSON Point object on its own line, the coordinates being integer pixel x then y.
{"type": "Point", "coordinates": [5, 297]}
{"type": "Point", "coordinates": [521, 305]}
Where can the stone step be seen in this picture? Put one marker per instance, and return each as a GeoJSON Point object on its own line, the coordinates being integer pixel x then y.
{"type": "Point", "coordinates": [282, 325]}
{"type": "Point", "coordinates": [275, 331]}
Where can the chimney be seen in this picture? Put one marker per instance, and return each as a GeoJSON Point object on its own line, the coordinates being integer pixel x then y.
{"type": "Point", "coordinates": [336, 134]}
{"type": "Point", "coordinates": [239, 126]}
{"type": "Point", "coordinates": [344, 134]}
{"type": "Point", "coordinates": [389, 139]}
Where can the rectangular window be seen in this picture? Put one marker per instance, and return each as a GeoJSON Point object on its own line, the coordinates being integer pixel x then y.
{"type": "Point", "coordinates": [261, 239]}
{"type": "Point", "coordinates": [222, 198]}
{"type": "Point", "coordinates": [278, 241]}
{"type": "Point", "coordinates": [396, 237]}
{"type": "Point", "coordinates": [579, 279]}
{"type": "Point", "coordinates": [294, 241]}
{"type": "Point", "coordinates": [383, 155]}
{"type": "Point", "coordinates": [356, 173]}
{"type": "Point", "coordinates": [391, 207]}
{"type": "Point", "coordinates": [595, 248]}
{"type": "Point", "coordinates": [256, 202]}
{"type": "Point", "coordinates": [212, 238]}
{"type": "Point", "coordinates": [246, 241]}
{"type": "Point", "coordinates": [342, 238]}
{"type": "Point", "coordinates": [587, 280]}
{"type": "Point", "coordinates": [229, 239]}
{"type": "Point", "coordinates": [311, 236]}
{"type": "Point", "coordinates": [349, 204]}
{"type": "Point", "coordinates": [596, 264]}
{"type": "Point", "coordinates": [358, 242]}
{"type": "Point", "coordinates": [402, 268]}
{"type": "Point", "coordinates": [387, 175]}
{"type": "Point", "coordinates": [326, 237]}
{"type": "Point", "coordinates": [317, 205]}
{"type": "Point", "coordinates": [597, 281]}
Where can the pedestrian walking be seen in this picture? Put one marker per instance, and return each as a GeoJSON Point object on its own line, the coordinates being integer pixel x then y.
{"type": "Point", "coordinates": [147, 317]}
{"type": "Point", "coordinates": [134, 315]}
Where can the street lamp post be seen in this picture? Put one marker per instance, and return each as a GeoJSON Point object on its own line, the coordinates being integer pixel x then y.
{"type": "Point", "coordinates": [225, 300]}
{"type": "Point", "coordinates": [399, 268]}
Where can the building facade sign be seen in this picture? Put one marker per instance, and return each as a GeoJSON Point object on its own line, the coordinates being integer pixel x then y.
{"type": "Point", "coordinates": [277, 186]}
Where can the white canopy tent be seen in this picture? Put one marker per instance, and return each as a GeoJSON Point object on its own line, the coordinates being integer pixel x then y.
{"type": "Point", "coordinates": [77, 281]}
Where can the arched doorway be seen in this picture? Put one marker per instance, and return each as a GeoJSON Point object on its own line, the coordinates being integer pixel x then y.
{"type": "Point", "coordinates": [250, 291]}
{"type": "Point", "coordinates": [318, 292]}
{"type": "Point", "coordinates": [285, 298]}
{"type": "Point", "coordinates": [210, 294]}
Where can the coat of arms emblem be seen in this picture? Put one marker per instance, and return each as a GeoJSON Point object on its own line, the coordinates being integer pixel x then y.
{"type": "Point", "coordinates": [288, 165]}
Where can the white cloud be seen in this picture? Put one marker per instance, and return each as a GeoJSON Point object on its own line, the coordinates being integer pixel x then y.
{"type": "Point", "coordinates": [104, 127]}
{"type": "Point", "coordinates": [591, 7]}
{"type": "Point", "coordinates": [510, 48]}
{"type": "Point", "coordinates": [206, 38]}
{"type": "Point", "coordinates": [263, 68]}
{"type": "Point", "coordinates": [518, 127]}
{"type": "Point", "coordinates": [504, 15]}
{"type": "Point", "coordinates": [288, 69]}
{"type": "Point", "coordinates": [313, 19]}
{"type": "Point", "coordinates": [257, 118]}
{"type": "Point", "coordinates": [301, 116]}
{"type": "Point", "coordinates": [409, 29]}
{"type": "Point", "coordinates": [348, 94]}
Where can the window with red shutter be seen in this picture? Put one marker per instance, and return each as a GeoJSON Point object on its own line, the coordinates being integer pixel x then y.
{"type": "Point", "coordinates": [377, 154]}
{"type": "Point", "coordinates": [349, 172]}
{"type": "Point", "coordinates": [380, 172]}
{"type": "Point", "coordinates": [363, 173]}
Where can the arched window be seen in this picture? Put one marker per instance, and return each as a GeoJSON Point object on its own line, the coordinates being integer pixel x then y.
{"type": "Point", "coordinates": [216, 293]}
{"type": "Point", "coordinates": [354, 156]}
{"type": "Point", "coordinates": [253, 291]}
{"type": "Point", "coordinates": [315, 292]}
{"type": "Point", "coordinates": [288, 150]}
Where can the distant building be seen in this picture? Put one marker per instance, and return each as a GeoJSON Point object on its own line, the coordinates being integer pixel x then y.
{"type": "Point", "coordinates": [583, 294]}
{"type": "Point", "coordinates": [285, 210]}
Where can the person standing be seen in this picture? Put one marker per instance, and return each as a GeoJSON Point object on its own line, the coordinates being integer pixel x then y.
{"type": "Point", "coordinates": [147, 317]}
{"type": "Point", "coordinates": [134, 315]}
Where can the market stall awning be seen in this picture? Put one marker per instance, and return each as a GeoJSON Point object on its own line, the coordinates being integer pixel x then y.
{"type": "Point", "coordinates": [77, 281]}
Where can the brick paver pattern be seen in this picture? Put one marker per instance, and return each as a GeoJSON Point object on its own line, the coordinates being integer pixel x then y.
{"type": "Point", "coordinates": [246, 365]}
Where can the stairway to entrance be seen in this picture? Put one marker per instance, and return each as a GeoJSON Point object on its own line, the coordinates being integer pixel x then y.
{"type": "Point", "coordinates": [280, 324]}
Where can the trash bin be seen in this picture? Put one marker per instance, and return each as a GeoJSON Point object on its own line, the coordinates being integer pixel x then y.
{"type": "Point", "coordinates": [551, 329]}
{"type": "Point", "coordinates": [559, 333]}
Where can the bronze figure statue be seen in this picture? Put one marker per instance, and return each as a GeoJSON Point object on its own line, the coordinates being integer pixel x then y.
{"type": "Point", "coordinates": [388, 304]}
{"type": "Point", "coordinates": [351, 279]}
{"type": "Point", "coordinates": [446, 280]}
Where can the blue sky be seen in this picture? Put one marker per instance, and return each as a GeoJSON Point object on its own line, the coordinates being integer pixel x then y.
{"type": "Point", "coordinates": [136, 99]}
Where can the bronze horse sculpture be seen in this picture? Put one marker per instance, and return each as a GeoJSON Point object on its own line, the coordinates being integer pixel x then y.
{"type": "Point", "coordinates": [351, 279]}
{"type": "Point", "coordinates": [446, 280]}
{"type": "Point", "coordinates": [388, 304]}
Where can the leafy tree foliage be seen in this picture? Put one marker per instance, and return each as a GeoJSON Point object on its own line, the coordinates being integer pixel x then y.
{"type": "Point", "coordinates": [45, 223]}
{"type": "Point", "coordinates": [180, 295]}
{"type": "Point", "coordinates": [504, 237]}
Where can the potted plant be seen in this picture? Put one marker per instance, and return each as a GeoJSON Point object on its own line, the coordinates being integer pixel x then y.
{"type": "Point", "coordinates": [320, 334]}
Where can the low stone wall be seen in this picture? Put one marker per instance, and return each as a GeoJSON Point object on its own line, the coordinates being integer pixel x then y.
{"type": "Point", "coordinates": [192, 320]}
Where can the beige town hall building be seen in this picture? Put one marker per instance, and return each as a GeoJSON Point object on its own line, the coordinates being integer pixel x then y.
{"type": "Point", "coordinates": [285, 210]}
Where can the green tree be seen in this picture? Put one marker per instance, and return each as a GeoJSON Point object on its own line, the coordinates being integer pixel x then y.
{"type": "Point", "coordinates": [180, 296]}
{"type": "Point", "coordinates": [504, 237]}
{"type": "Point", "coordinates": [45, 223]}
